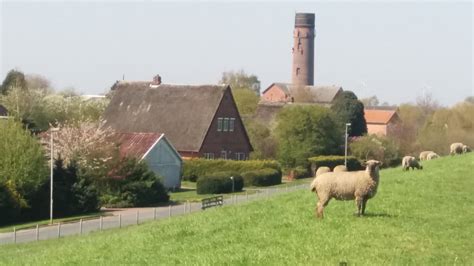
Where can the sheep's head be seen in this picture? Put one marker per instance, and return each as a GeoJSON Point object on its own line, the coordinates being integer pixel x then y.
{"type": "Point", "coordinates": [372, 165]}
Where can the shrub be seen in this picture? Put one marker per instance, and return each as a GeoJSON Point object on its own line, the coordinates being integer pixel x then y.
{"type": "Point", "coordinates": [133, 184]}
{"type": "Point", "coordinates": [10, 203]}
{"type": "Point", "coordinates": [334, 160]}
{"type": "Point", "coordinates": [195, 168]}
{"type": "Point", "coordinates": [301, 172]}
{"type": "Point", "coordinates": [219, 182]}
{"type": "Point", "coordinates": [375, 147]}
{"type": "Point", "coordinates": [262, 177]}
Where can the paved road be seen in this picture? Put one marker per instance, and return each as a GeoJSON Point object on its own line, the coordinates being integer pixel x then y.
{"type": "Point", "coordinates": [128, 217]}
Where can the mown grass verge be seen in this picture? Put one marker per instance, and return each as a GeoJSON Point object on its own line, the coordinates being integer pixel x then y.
{"type": "Point", "coordinates": [417, 218]}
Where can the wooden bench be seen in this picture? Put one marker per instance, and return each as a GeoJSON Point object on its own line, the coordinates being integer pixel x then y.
{"type": "Point", "coordinates": [212, 202]}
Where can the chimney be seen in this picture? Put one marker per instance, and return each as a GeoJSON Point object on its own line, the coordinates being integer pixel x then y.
{"type": "Point", "coordinates": [156, 80]}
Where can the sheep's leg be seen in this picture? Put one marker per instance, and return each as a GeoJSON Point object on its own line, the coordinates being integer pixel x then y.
{"type": "Point", "coordinates": [364, 203]}
{"type": "Point", "coordinates": [359, 205]}
{"type": "Point", "coordinates": [320, 207]}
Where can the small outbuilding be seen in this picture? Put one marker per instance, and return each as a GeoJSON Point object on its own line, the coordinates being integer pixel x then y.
{"type": "Point", "coordinates": [157, 151]}
{"type": "Point", "coordinates": [382, 121]}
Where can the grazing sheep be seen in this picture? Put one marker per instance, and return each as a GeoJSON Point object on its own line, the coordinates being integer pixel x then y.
{"type": "Point", "coordinates": [358, 185]}
{"type": "Point", "coordinates": [456, 148]}
{"type": "Point", "coordinates": [432, 156]}
{"type": "Point", "coordinates": [466, 148]}
{"type": "Point", "coordinates": [410, 161]}
{"type": "Point", "coordinates": [322, 170]}
{"type": "Point", "coordinates": [424, 155]}
{"type": "Point", "coordinates": [340, 168]}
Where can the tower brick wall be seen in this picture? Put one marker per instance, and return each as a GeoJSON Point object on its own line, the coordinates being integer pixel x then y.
{"type": "Point", "coordinates": [303, 50]}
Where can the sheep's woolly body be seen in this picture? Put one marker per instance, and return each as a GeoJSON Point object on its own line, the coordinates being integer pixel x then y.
{"type": "Point", "coordinates": [424, 155]}
{"type": "Point", "coordinates": [410, 161]}
{"type": "Point", "coordinates": [322, 170]}
{"type": "Point", "coordinates": [346, 185]}
{"type": "Point", "coordinates": [456, 148]}
{"type": "Point", "coordinates": [432, 156]}
{"type": "Point", "coordinates": [340, 168]}
{"type": "Point", "coordinates": [358, 185]}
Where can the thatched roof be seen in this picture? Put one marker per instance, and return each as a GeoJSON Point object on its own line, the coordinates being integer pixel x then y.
{"type": "Point", "coordinates": [182, 112]}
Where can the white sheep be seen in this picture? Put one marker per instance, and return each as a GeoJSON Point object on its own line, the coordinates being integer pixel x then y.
{"type": "Point", "coordinates": [456, 148]}
{"type": "Point", "coordinates": [424, 155]}
{"type": "Point", "coordinates": [358, 185]}
{"type": "Point", "coordinates": [340, 168]}
{"type": "Point", "coordinates": [322, 170]}
{"type": "Point", "coordinates": [410, 161]}
{"type": "Point", "coordinates": [432, 156]}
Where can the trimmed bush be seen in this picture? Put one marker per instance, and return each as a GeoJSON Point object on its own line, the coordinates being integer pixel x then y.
{"type": "Point", "coordinates": [334, 160]}
{"type": "Point", "coordinates": [219, 182]}
{"type": "Point", "coordinates": [262, 177]}
{"type": "Point", "coordinates": [195, 168]}
{"type": "Point", "coordinates": [301, 172]}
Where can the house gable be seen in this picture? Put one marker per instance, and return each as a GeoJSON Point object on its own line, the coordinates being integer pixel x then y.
{"type": "Point", "coordinates": [231, 142]}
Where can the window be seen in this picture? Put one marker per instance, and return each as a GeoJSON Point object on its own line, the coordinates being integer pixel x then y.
{"type": "Point", "coordinates": [231, 124]}
{"type": "Point", "coordinates": [297, 71]}
{"type": "Point", "coordinates": [219, 124]}
{"type": "Point", "coordinates": [226, 124]}
{"type": "Point", "coordinates": [224, 155]}
{"type": "Point", "coordinates": [209, 155]}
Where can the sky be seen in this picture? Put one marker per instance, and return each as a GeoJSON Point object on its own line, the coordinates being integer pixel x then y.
{"type": "Point", "coordinates": [397, 51]}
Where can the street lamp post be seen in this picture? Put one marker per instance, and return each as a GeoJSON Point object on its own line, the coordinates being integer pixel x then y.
{"type": "Point", "coordinates": [232, 178]}
{"type": "Point", "coordinates": [345, 146]}
{"type": "Point", "coordinates": [52, 130]}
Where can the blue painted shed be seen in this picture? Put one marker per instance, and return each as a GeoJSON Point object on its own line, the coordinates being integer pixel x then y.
{"type": "Point", "coordinates": [157, 151]}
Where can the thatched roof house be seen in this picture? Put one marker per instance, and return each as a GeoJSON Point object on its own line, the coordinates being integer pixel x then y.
{"type": "Point", "coordinates": [200, 120]}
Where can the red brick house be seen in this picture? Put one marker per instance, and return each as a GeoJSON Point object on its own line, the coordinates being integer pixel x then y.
{"type": "Point", "coordinates": [286, 93]}
{"type": "Point", "coordinates": [382, 122]}
{"type": "Point", "coordinates": [200, 120]}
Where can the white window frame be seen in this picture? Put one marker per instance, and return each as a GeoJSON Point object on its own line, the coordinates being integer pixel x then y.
{"type": "Point", "coordinates": [224, 155]}
{"type": "Point", "coordinates": [231, 124]}
{"type": "Point", "coordinates": [226, 125]}
{"type": "Point", "coordinates": [219, 124]}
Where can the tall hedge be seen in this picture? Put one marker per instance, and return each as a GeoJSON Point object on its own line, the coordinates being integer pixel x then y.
{"type": "Point", "coordinates": [262, 177]}
{"type": "Point", "coordinates": [334, 160]}
{"type": "Point", "coordinates": [219, 182]}
{"type": "Point", "coordinates": [195, 168]}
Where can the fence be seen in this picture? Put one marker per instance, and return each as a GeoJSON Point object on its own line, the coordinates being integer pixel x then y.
{"type": "Point", "coordinates": [127, 218]}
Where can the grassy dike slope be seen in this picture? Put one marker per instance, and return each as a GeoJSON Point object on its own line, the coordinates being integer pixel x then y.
{"type": "Point", "coordinates": [417, 217]}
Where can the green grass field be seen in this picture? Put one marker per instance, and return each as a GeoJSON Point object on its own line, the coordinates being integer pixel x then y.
{"type": "Point", "coordinates": [417, 218]}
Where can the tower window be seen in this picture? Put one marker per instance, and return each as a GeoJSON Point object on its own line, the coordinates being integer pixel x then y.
{"type": "Point", "coordinates": [297, 71]}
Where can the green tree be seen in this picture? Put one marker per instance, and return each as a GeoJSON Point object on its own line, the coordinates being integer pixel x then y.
{"type": "Point", "coordinates": [306, 131]}
{"type": "Point", "coordinates": [22, 162]}
{"type": "Point", "coordinates": [263, 141]}
{"type": "Point", "coordinates": [241, 80]}
{"type": "Point", "coordinates": [349, 109]}
{"type": "Point", "coordinates": [13, 79]}
{"type": "Point", "coordinates": [376, 148]}
{"type": "Point", "coordinates": [246, 101]}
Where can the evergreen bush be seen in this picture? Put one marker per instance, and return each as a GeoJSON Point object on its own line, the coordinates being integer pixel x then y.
{"type": "Point", "coordinates": [262, 177]}
{"type": "Point", "coordinates": [219, 182]}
